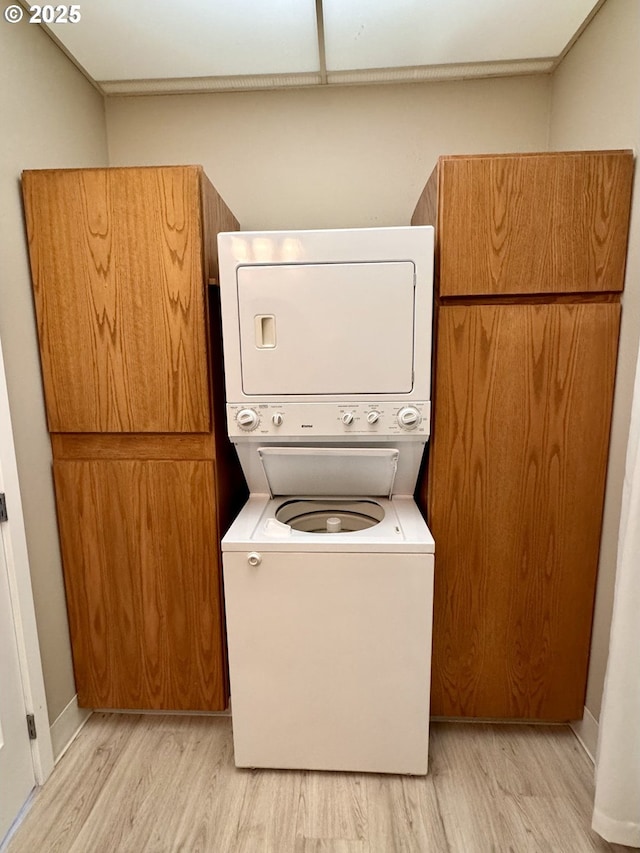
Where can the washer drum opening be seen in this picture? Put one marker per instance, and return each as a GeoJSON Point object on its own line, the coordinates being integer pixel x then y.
{"type": "Point", "coordinates": [330, 516]}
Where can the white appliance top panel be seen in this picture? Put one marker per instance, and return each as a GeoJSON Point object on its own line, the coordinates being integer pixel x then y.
{"type": "Point", "coordinates": [327, 328]}
{"type": "Point", "coordinates": [402, 530]}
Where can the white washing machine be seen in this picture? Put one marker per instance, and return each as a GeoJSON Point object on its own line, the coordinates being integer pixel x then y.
{"type": "Point", "coordinates": [328, 569]}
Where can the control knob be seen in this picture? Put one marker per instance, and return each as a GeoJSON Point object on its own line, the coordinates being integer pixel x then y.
{"type": "Point", "coordinates": [347, 418]}
{"type": "Point", "coordinates": [277, 419]}
{"type": "Point", "coordinates": [247, 419]}
{"type": "Point", "coordinates": [373, 417]}
{"type": "Point", "coordinates": [409, 417]}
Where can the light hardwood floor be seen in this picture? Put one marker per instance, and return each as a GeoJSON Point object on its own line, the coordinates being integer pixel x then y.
{"type": "Point", "coordinates": [132, 783]}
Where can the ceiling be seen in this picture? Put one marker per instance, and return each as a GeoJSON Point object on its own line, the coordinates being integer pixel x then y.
{"type": "Point", "coordinates": [159, 46]}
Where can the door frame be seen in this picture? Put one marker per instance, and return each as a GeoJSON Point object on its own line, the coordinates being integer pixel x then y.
{"type": "Point", "coordinates": [14, 540]}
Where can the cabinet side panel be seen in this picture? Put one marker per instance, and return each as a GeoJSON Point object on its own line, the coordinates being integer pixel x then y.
{"type": "Point", "coordinates": [549, 223]}
{"type": "Point", "coordinates": [116, 262]}
{"type": "Point", "coordinates": [139, 546]}
{"type": "Point", "coordinates": [426, 213]}
{"type": "Point", "coordinates": [216, 217]}
{"type": "Point", "coordinates": [231, 487]}
{"type": "Point", "coordinates": [516, 489]}
{"type": "Point", "coordinates": [426, 210]}
{"type": "Point", "coordinates": [230, 483]}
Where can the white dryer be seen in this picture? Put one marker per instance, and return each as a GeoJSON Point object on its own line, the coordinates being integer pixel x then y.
{"type": "Point", "coordinates": [328, 569]}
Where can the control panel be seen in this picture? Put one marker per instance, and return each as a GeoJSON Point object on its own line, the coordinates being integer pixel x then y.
{"type": "Point", "coordinates": [328, 419]}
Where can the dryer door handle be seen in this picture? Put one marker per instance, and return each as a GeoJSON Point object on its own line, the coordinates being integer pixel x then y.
{"type": "Point", "coordinates": [265, 329]}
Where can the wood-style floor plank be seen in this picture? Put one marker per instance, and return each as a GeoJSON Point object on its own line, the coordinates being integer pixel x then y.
{"type": "Point", "coordinates": [152, 787]}
{"type": "Point", "coordinates": [330, 845]}
{"type": "Point", "coordinates": [333, 806]}
{"type": "Point", "coordinates": [167, 784]}
{"type": "Point", "coordinates": [267, 819]}
{"type": "Point", "coordinates": [62, 808]}
{"type": "Point", "coordinates": [404, 814]}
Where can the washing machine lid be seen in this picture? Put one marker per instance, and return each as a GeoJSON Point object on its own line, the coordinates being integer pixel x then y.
{"type": "Point", "coordinates": [339, 471]}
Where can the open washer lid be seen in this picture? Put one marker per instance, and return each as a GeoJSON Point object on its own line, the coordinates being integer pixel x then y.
{"type": "Point", "coordinates": [339, 471]}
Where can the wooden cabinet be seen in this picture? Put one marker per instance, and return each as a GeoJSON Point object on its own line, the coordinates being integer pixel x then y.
{"type": "Point", "coordinates": [145, 478]}
{"type": "Point", "coordinates": [523, 408]}
{"type": "Point", "coordinates": [523, 386]}
{"type": "Point", "coordinates": [549, 224]}
{"type": "Point", "coordinates": [117, 257]}
{"type": "Point", "coordinates": [139, 539]}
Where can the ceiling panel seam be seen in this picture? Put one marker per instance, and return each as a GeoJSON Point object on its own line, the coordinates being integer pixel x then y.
{"type": "Point", "coordinates": [322, 55]}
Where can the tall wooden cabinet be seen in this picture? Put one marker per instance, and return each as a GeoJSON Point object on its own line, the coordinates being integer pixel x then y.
{"type": "Point", "coordinates": [530, 257]}
{"type": "Point", "coordinates": [145, 478]}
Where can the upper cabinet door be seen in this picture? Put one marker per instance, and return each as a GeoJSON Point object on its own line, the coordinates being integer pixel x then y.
{"type": "Point", "coordinates": [116, 258]}
{"type": "Point", "coordinates": [533, 224]}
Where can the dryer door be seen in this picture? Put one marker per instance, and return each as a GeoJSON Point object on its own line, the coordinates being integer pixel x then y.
{"type": "Point", "coordinates": [327, 328]}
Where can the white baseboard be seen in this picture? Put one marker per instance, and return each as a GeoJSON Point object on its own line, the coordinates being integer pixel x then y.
{"type": "Point", "coordinates": [66, 726]}
{"type": "Point", "coordinates": [586, 730]}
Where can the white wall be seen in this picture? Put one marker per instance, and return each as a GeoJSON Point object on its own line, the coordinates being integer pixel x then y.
{"type": "Point", "coordinates": [51, 117]}
{"type": "Point", "coordinates": [336, 157]}
{"type": "Point", "coordinates": [596, 104]}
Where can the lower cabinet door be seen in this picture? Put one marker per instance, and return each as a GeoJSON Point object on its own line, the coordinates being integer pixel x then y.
{"type": "Point", "coordinates": [522, 406]}
{"type": "Point", "coordinates": [140, 555]}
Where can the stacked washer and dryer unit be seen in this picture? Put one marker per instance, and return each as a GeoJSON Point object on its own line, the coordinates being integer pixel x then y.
{"type": "Point", "coordinates": [328, 569]}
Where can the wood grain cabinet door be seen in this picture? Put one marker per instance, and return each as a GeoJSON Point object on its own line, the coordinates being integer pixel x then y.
{"type": "Point", "coordinates": [140, 558]}
{"type": "Point", "coordinates": [517, 470]}
{"type": "Point", "coordinates": [539, 223]}
{"type": "Point", "coordinates": [117, 270]}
